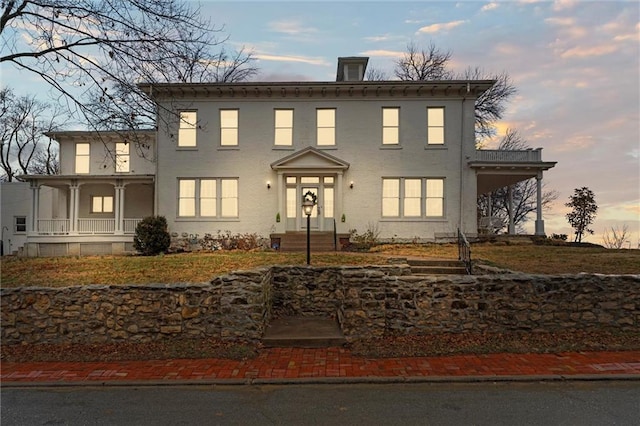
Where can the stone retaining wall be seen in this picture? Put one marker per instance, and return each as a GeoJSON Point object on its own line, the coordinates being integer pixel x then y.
{"type": "Point", "coordinates": [368, 301]}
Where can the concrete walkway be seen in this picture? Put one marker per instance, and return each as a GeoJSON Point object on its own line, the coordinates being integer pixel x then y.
{"type": "Point", "coordinates": [329, 365]}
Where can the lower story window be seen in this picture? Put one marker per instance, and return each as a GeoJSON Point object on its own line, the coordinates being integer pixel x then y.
{"type": "Point", "coordinates": [206, 197]}
{"type": "Point", "coordinates": [101, 204]}
{"type": "Point", "coordinates": [413, 197]}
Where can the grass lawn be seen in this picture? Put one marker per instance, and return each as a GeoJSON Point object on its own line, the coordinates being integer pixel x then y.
{"type": "Point", "coordinates": [201, 267]}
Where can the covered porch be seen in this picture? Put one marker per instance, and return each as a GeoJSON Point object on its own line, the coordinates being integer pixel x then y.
{"type": "Point", "coordinates": [497, 169]}
{"type": "Point", "coordinates": [88, 209]}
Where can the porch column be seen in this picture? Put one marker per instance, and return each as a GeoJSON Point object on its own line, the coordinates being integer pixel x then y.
{"type": "Point", "coordinates": [539, 221]}
{"type": "Point", "coordinates": [35, 207]}
{"type": "Point", "coordinates": [118, 209]}
{"type": "Point", "coordinates": [339, 195]}
{"type": "Point", "coordinates": [281, 188]}
{"type": "Point", "coordinates": [74, 207]}
{"type": "Point", "coordinates": [512, 226]}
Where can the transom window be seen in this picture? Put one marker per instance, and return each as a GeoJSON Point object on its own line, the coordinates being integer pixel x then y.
{"type": "Point", "coordinates": [208, 198]}
{"type": "Point", "coordinates": [228, 127]}
{"type": "Point", "coordinates": [435, 125]}
{"type": "Point", "coordinates": [82, 157]}
{"type": "Point", "coordinates": [326, 122]}
{"type": "Point", "coordinates": [102, 204]}
{"type": "Point", "coordinates": [390, 126]}
{"type": "Point", "coordinates": [283, 127]}
{"type": "Point", "coordinates": [187, 129]}
{"type": "Point", "coordinates": [122, 157]}
{"type": "Point", "coordinates": [413, 197]}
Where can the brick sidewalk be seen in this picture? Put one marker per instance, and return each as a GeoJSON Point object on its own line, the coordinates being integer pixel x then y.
{"type": "Point", "coordinates": [296, 364]}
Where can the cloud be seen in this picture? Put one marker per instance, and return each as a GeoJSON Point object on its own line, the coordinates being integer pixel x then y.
{"type": "Point", "coordinates": [434, 28]}
{"type": "Point", "coordinates": [287, 58]}
{"type": "Point", "coordinates": [291, 28]}
{"type": "Point", "coordinates": [588, 51]}
{"type": "Point", "coordinates": [564, 4]}
{"type": "Point", "coordinates": [383, 53]}
{"type": "Point", "coordinates": [489, 6]}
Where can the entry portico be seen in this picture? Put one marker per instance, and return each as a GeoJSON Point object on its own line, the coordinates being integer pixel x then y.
{"type": "Point", "coordinates": [309, 170]}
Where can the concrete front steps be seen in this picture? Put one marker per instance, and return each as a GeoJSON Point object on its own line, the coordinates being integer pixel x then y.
{"type": "Point", "coordinates": [303, 332]}
{"type": "Point", "coordinates": [436, 267]}
{"type": "Point", "coordinates": [297, 241]}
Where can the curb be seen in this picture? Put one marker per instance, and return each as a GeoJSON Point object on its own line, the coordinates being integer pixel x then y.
{"type": "Point", "coordinates": [332, 381]}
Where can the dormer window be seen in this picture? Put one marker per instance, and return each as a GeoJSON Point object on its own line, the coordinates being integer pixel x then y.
{"type": "Point", "coordinates": [351, 68]}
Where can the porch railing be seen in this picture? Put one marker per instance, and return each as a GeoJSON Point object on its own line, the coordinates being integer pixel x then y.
{"type": "Point", "coordinates": [509, 156]}
{"type": "Point", "coordinates": [96, 226]}
{"type": "Point", "coordinates": [464, 251]}
{"type": "Point", "coordinates": [53, 226]}
{"type": "Point", "coordinates": [85, 226]}
{"type": "Point", "coordinates": [130, 225]}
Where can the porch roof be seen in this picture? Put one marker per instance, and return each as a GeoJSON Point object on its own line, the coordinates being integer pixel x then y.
{"type": "Point", "coordinates": [499, 168]}
{"type": "Point", "coordinates": [61, 180]}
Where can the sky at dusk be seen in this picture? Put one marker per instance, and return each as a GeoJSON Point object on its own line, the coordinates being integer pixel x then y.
{"type": "Point", "coordinates": [576, 65]}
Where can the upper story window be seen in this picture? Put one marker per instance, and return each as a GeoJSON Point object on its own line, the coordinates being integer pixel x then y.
{"type": "Point", "coordinates": [122, 157]}
{"type": "Point", "coordinates": [228, 127]}
{"type": "Point", "coordinates": [326, 121]}
{"type": "Point", "coordinates": [187, 129]}
{"type": "Point", "coordinates": [283, 127]}
{"type": "Point", "coordinates": [102, 204]}
{"type": "Point", "coordinates": [82, 157]}
{"type": "Point", "coordinates": [435, 126]}
{"type": "Point", "coordinates": [390, 126]}
{"type": "Point", "coordinates": [208, 198]}
{"type": "Point", "coordinates": [413, 197]}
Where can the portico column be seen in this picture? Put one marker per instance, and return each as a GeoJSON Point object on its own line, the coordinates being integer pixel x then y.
{"type": "Point", "coordinates": [339, 196]}
{"type": "Point", "coordinates": [512, 226]}
{"type": "Point", "coordinates": [119, 209]}
{"type": "Point", "coordinates": [35, 207]}
{"type": "Point", "coordinates": [281, 188]}
{"type": "Point", "coordinates": [539, 221]}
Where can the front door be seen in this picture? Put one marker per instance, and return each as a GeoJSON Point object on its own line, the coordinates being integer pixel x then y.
{"type": "Point", "coordinates": [316, 213]}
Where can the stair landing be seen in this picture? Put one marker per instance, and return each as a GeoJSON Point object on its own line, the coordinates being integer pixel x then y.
{"type": "Point", "coordinates": [303, 332]}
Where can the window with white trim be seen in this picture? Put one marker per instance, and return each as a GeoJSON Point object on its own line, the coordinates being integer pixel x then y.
{"type": "Point", "coordinates": [283, 127]}
{"type": "Point", "coordinates": [208, 198]}
{"type": "Point", "coordinates": [413, 197]}
{"type": "Point", "coordinates": [435, 125]}
{"type": "Point", "coordinates": [19, 224]}
{"type": "Point", "coordinates": [390, 126]}
{"type": "Point", "coordinates": [187, 129]}
{"type": "Point", "coordinates": [83, 151]}
{"type": "Point", "coordinates": [326, 126]}
{"type": "Point", "coordinates": [228, 127]}
{"type": "Point", "coordinates": [101, 204]}
{"type": "Point", "coordinates": [122, 157]}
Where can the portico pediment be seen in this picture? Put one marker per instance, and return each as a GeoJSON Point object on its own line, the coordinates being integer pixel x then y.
{"type": "Point", "coordinates": [310, 159]}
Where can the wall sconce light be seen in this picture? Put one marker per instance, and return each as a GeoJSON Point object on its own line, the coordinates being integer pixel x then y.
{"type": "Point", "coordinates": [268, 184]}
{"type": "Point", "coordinates": [351, 185]}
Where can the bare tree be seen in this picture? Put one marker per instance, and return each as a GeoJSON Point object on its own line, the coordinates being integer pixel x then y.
{"type": "Point", "coordinates": [433, 64]}
{"type": "Point", "coordinates": [376, 74]}
{"type": "Point", "coordinates": [23, 121]}
{"type": "Point", "coordinates": [614, 238]}
{"type": "Point", "coordinates": [423, 64]}
{"type": "Point", "coordinates": [523, 194]}
{"type": "Point", "coordinates": [94, 52]}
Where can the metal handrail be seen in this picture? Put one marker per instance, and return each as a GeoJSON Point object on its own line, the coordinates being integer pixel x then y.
{"type": "Point", "coordinates": [464, 251]}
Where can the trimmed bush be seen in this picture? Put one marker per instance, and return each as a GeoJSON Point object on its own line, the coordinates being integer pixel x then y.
{"type": "Point", "coordinates": [152, 236]}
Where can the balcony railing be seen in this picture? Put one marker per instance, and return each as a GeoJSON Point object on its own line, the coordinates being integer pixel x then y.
{"type": "Point", "coordinates": [509, 156]}
{"type": "Point", "coordinates": [85, 226]}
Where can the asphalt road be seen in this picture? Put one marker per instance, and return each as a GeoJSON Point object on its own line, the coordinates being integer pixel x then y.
{"type": "Point", "coordinates": [566, 403]}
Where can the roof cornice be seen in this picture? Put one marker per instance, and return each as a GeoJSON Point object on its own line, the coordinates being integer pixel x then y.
{"type": "Point", "coordinates": [342, 89]}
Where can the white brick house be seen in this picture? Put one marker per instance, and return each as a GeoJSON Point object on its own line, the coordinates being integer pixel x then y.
{"type": "Point", "coordinates": [395, 155]}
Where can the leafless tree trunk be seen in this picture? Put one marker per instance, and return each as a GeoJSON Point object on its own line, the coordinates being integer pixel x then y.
{"type": "Point", "coordinates": [23, 122]}
{"type": "Point", "coordinates": [614, 238]}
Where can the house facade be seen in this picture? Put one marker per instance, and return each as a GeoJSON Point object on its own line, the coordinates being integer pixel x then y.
{"type": "Point", "coordinates": [394, 157]}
